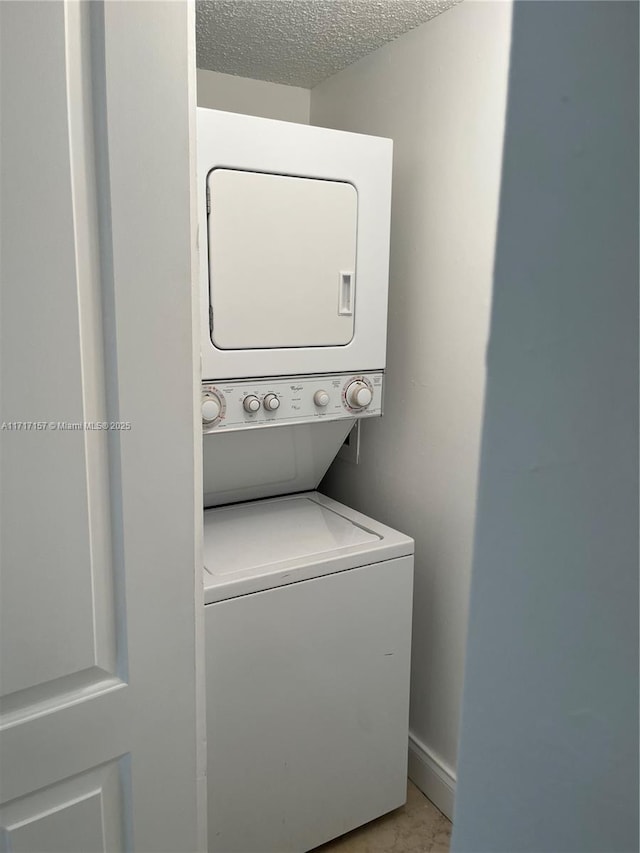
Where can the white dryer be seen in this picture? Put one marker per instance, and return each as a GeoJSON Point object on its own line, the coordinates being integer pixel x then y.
{"type": "Point", "coordinates": [308, 623]}
{"type": "Point", "coordinates": [294, 241]}
{"type": "Point", "coordinates": [294, 247]}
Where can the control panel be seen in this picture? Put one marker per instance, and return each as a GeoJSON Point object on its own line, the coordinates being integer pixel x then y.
{"type": "Point", "coordinates": [239, 404]}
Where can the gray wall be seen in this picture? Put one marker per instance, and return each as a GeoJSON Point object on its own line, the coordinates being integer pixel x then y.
{"type": "Point", "coordinates": [549, 747]}
{"type": "Point", "coordinates": [252, 97]}
{"type": "Point", "coordinates": [439, 92]}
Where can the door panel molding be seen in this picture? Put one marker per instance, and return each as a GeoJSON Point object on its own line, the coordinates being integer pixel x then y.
{"type": "Point", "coordinates": [83, 814]}
{"type": "Point", "coordinates": [57, 476]}
{"type": "Point", "coordinates": [54, 695]}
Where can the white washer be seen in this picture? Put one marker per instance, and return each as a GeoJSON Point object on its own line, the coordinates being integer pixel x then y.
{"type": "Point", "coordinates": [308, 623]}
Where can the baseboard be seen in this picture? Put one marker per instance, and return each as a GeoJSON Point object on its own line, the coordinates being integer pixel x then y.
{"type": "Point", "coordinates": [434, 778]}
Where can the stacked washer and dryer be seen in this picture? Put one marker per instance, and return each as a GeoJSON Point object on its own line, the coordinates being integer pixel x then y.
{"type": "Point", "coordinates": [307, 602]}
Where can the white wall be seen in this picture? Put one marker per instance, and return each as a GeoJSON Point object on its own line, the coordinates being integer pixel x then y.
{"type": "Point", "coordinates": [252, 97]}
{"type": "Point", "coordinates": [439, 91]}
{"type": "Point", "coordinates": [549, 745]}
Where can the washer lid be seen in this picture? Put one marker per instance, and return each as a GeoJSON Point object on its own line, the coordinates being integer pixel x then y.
{"type": "Point", "coordinates": [266, 532]}
{"type": "Point", "coordinates": [258, 545]}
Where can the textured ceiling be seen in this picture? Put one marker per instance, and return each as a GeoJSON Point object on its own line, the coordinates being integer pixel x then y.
{"type": "Point", "coordinates": [300, 42]}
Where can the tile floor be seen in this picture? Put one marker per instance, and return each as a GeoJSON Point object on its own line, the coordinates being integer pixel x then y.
{"type": "Point", "coordinates": [417, 827]}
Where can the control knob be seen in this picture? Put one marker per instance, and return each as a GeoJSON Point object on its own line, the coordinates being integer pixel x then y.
{"type": "Point", "coordinates": [271, 402]}
{"type": "Point", "coordinates": [210, 409]}
{"type": "Point", "coordinates": [321, 398]}
{"type": "Point", "coordinates": [251, 403]}
{"type": "Point", "coordinates": [358, 394]}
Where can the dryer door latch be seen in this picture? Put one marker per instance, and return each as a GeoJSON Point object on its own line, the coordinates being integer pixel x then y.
{"type": "Point", "coordinates": [345, 293]}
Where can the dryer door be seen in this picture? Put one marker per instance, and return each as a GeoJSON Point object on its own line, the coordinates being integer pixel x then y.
{"type": "Point", "coordinates": [282, 254]}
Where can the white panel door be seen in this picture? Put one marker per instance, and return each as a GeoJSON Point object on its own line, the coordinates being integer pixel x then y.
{"type": "Point", "coordinates": [282, 255]}
{"type": "Point", "coordinates": [99, 547]}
